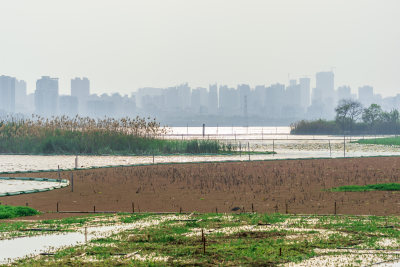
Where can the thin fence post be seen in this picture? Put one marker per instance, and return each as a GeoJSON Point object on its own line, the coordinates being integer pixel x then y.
{"type": "Point", "coordinates": [94, 208]}
{"type": "Point", "coordinates": [133, 207]}
{"type": "Point", "coordinates": [203, 239]}
{"type": "Point", "coordinates": [344, 146]}
{"type": "Point", "coordinates": [330, 149]}
{"type": "Point", "coordinates": [286, 208]}
{"type": "Point", "coordinates": [273, 147]}
{"type": "Point", "coordinates": [153, 157]}
{"type": "Point", "coordinates": [57, 206]}
{"type": "Point", "coordinates": [248, 149]}
{"type": "Point", "coordinates": [59, 175]}
{"type": "Point", "coordinates": [335, 207]}
{"type": "Point", "coordinates": [72, 182]}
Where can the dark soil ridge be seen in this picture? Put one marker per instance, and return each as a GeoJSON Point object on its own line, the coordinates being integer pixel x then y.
{"type": "Point", "coordinates": [293, 186]}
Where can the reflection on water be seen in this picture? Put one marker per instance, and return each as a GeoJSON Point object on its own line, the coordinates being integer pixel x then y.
{"type": "Point", "coordinates": [275, 139]}
{"type": "Point", "coordinates": [7, 186]}
{"type": "Point", "coordinates": [12, 249]}
{"type": "Point", "coordinates": [286, 149]}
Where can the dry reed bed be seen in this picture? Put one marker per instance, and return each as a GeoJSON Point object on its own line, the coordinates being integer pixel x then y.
{"type": "Point", "coordinates": [293, 186]}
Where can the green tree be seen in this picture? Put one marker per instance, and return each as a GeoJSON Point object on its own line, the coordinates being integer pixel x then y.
{"type": "Point", "coordinates": [390, 117]}
{"type": "Point", "coordinates": [372, 114]}
{"type": "Point", "coordinates": [347, 113]}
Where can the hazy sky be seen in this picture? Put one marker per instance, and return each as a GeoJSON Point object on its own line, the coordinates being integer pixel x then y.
{"type": "Point", "coordinates": [123, 45]}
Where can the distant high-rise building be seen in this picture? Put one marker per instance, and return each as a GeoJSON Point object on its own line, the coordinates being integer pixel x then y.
{"type": "Point", "coordinates": [304, 92]}
{"type": "Point", "coordinates": [21, 101]}
{"type": "Point", "coordinates": [275, 99]}
{"type": "Point", "coordinates": [46, 96]}
{"type": "Point", "coordinates": [80, 87]}
{"type": "Point", "coordinates": [213, 99]}
{"type": "Point", "coordinates": [229, 103]}
{"type": "Point", "coordinates": [292, 103]}
{"type": "Point", "coordinates": [344, 92]}
{"type": "Point", "coordinates": [324, 95]}
{"type": "Point", "coordinates": [326, 86]}
{"type": "Point", "coordinates": [7, 94]}
{"type": "Point", "coordinates": [244, 93]}
{"type": "Point", "coordinates": [184, 94]}
{"type": "Point", "coordinates": [256, 101]}
{"type": "Point", "coordinates": [199, 100]}
{"type": "Point", "coordinates": [366, 95]}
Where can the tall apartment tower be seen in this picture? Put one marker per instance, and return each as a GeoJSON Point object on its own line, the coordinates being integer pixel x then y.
{"type": "Point", "coordinates": [304, 92]}
{"type": "Point", "coordinates": [80, 90]}
{"type": "Point", "coordinates": [80, 87]}
{"type": "Point", "coordinates": [21, 101]}
{"type": "Point", "coordinates": [46, 96]}
{"type": "Point", "coordinates": [213, 99]}
{"type": "Point", "coordinates": [324, 94]}
{"type": "Point", "coordinates": [7, 94]}
{"type": "Point", "coordinates": [366, 95]}
{"type": "Point", "coordinates": [344, 92]}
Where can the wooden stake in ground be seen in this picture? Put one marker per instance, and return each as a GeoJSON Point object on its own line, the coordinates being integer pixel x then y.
{"type": "Point", "coordinates": [330, 150]}
{"type": "Point", "coordinates": [203, 240]}
{"type": "Point", "coordinates": [72, 182]}
{"type": "Point", "coordinates": [335, 207]}
{"type": "Point", "coordinates": [273, 147]}
{"type": "Point", "coordinates": [248, 149]}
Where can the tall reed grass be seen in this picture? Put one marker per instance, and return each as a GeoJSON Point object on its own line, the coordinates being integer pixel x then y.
{"type": "Point", "coordinates": [64, 135]}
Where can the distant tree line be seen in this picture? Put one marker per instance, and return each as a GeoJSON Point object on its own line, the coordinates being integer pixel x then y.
{"type": "Point", "coordinates": [353, 118]}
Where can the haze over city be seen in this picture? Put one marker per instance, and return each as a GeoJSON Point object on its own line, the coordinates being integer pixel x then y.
{"type": "Point", "coordinates": [125, 45]}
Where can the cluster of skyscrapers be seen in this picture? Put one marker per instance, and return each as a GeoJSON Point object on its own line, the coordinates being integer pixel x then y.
{"type": "Point", "coordinates": [181, 105]}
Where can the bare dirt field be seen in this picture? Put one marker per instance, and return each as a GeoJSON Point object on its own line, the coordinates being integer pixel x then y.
{"type": "Point", "coordinates": [293, 186]}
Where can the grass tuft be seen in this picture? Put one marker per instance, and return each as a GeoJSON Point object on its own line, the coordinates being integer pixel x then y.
{"type": "Point", "coordinates": [8, 212]}
{"type": "Point", "coordinates": [369, 187]}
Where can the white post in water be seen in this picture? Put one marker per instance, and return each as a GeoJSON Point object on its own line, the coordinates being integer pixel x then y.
{"type": "Point", "coordinates": [204, 129]}
{"type": "Point", "coordinates": [344, 146]}
{"type": "Point", "coordinates": [76, 162]}
{"type": "Point", "coordinates": [248, 149]}
{"type": "Point", "coordinates": [330, 150]}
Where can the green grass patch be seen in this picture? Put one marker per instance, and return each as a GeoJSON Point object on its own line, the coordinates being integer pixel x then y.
{"type": "Point", "coordinates": [369, 187]}
{"type": "Point", "coordinates": [8, 212]}
{"type": "Point", "coordinates": [389, 141]}
{"type": "Point", "coordinates": [173, 239]}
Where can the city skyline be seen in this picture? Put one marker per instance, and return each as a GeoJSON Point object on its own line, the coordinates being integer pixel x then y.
{"type": "Point", "coordinates": [243, 104]}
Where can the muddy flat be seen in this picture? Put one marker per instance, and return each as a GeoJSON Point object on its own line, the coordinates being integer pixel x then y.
{"type": "Point", "coordinates": [293, 186]}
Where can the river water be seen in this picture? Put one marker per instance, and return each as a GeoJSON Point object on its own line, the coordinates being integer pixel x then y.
{"type": "Point", "coordinates": [276, 139]}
